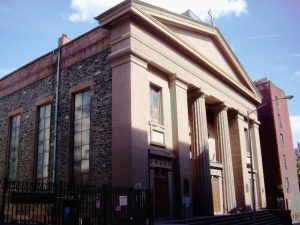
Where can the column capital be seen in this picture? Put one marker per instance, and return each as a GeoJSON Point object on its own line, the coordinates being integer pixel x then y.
{"type": "Point", "coordinates": [198, 93]}
{"type": "Point", "coordinates": [239, 115]}
{"type": "Point", "coordinates": [219, 107]}
{"type": "Point", "coordinates": [255, 123]}
{"type": "Point", "coordinates": [174, 81]}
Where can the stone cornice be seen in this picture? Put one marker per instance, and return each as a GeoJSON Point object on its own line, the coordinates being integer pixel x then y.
{"type": "Point", "coordinates": [207, 30]}
{"type": "Point", "coordinates": [123, 56]}
{"type": "Point", "coordinates": [83, 47]}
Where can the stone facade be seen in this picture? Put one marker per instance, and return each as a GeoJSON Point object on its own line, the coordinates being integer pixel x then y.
{"type": "Point", "coordinates": [25, 100]}
{"type": "Point", "coordinates": [169, 102]}
{"type": "Point", "coordinates": [94, 71]}
{"type": "Point", "coordinates": [200, 94]}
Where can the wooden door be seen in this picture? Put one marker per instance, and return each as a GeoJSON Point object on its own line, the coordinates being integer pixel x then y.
{"type": "Point", "coordinates": [161, 198]}
{"type": "Point", "coordinates": [216, 194]}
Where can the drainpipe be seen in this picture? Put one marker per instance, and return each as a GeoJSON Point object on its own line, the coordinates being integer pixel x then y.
{"type": "Point", "coordinates": [61, 41]}
{"type": "Point", "coordinates": [57, 83]}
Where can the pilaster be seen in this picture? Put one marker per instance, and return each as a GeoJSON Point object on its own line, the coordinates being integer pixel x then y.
{"type": "Point", "coordinates": [129, 122]}
{"type": "Point", "coordinates": [261, 195]}
{"type": "Point", "coordinates": [238, 143]}
{"type": "Point", "coordinates": [181, 141]}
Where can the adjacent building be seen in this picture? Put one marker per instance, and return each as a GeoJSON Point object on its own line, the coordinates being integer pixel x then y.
{"type": "Point", "coordinates": [281, 180]}
{"type": "Point", "coordinates": [297, 151]}
{"type": "Point", "coordinates": [149, 99]}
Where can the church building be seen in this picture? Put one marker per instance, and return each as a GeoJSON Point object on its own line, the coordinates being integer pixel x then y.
{"type": "Point", "coordinates": [148, 99]}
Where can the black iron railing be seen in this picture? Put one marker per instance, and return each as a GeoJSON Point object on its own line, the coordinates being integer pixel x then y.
{"type": "Point", "coordinates": [63, 204]}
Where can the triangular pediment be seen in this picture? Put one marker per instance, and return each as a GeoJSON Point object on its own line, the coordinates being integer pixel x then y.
{"type": "Point", "coordinates": [199, 40]}
{"type": "Point", "coordinates": [207, 47]}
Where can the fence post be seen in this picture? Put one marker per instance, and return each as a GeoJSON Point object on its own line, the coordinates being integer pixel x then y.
{"type": "Point", "coordinates": [150, 207]}
{"type": "Point", "coordinates": [104, 194]}
{"type": "Point", "coordinates": [5, 180]}
{"type": "Point", "coordinates": [130, 216]}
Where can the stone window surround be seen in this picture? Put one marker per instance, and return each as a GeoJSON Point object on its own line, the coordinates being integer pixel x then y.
{"type": "Point", "coordinates": [157, 128]}
{"type": "Point", "coordinates": [44, 101]}
{"type": "Point", "coordinates": [158, 92]}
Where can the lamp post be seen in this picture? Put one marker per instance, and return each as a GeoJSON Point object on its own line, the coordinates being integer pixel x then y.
{"type": "Point", "coordinates": [251, 153]}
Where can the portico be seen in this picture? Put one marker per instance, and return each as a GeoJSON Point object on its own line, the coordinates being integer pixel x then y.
{"type": "Point", "coordinates": [183, 130]}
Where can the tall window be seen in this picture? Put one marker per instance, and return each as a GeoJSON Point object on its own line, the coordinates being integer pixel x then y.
{"type": "Point", "coordinates": [81, 137]}
{"type": "Point", "coordinates": [277, 102]}
{"type": "Point", "coordinates": [285, 163]}
{"type": "Point", "coordinates": [43, 143]}
{"type": "Point", "coordinates": [287, 183]}
{"type": "Point", "coordinates": [282, 140]}
{"type": "Point", "coordinates": [279, 120]}
{"type": "Point", "coordinates": [155, 105]}
{"type": "Point", "coordinates": [14, 146]}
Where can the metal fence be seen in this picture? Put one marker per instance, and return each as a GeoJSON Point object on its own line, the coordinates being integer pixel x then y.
{"type": "Point", "coordinates": [62, 204]}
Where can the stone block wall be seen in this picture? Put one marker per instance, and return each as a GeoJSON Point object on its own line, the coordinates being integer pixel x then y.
{"type": "Point", "coordinates": [94, 70]}
{"type": "Point", "coordinates": [25, 100]}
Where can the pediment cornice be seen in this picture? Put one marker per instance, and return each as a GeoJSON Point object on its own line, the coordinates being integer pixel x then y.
{"type": "Point", "coordinates": [157, 18]}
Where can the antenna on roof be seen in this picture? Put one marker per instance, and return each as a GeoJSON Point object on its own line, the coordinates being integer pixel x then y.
{"type": "Point", "coordinates": [212, 18]}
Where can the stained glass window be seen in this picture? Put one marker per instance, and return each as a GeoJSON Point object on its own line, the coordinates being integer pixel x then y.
{"type": "Point", "coordinates": [155, 105]}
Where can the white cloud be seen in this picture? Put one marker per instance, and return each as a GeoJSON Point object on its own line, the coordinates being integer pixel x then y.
{"type": "Point", "coordinates": [297, 73]}
{"type": "Point", "coordinates": [295, 76]}
{"type": "Point", "coordinates": [264, 36]}
{"type": "Point", "coordinates": [295, 125]}
{"type": "Point", "coordinates": [85, 10]}
{"type": "Point", "coordinates": [296, 55]}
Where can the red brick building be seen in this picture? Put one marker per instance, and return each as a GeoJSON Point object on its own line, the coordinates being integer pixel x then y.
{"type": "Point", "coordinates": [278, 156]}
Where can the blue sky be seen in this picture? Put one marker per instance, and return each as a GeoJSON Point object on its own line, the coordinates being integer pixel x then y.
{"type": "Point", "coordinates": [263, 34]}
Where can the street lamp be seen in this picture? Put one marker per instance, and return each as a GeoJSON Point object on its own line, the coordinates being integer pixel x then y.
{"type": "Point", "coordinates": [251, 153]}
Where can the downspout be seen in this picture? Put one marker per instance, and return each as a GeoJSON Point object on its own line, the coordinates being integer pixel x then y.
{"type": "Point", "coordinates": [57, 85]}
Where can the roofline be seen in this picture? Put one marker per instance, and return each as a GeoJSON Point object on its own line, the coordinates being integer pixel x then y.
{"type": "Point", "coordinates": [154, 7]}
{"type": "Point", "coordinates": [49, 53]}
{"type": "Point", "coordinates": [136, 7]}
{"type": "Point", "coordinates": [270, 82]}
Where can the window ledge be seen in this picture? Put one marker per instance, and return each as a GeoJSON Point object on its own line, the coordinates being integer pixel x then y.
{"type": "Point", "coordinates": [158, 144]}
{"type": "Point", "coordinates": [156, 125]}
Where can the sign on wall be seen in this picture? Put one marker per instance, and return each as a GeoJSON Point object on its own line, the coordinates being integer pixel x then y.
{"type": "Point", "coordinates": [123, 200]}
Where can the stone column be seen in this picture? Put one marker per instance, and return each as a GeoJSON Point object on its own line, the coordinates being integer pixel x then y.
{"type": "Point", "coordinates": [260, 185]}
{"type": "Point", "coordinates": [203, 195]}
{"type": "Point", "coordinates": [238, 143]}
{"type": "Point", "coordinates": [223, 146]}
